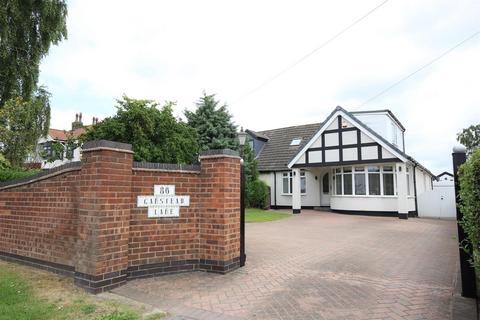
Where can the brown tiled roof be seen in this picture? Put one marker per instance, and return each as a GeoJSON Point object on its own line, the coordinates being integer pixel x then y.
{"type": "Point", "coordinates": [63, 135]}
{"type": "Point", "coordinates": [277, 152]}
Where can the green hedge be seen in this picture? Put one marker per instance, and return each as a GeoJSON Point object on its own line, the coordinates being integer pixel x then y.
{"type": "Point", "coordinates": [256, 194]}
{"type": "Point", "coordinates": [15, 173]}
{"type": "Point", "coordinates": [469, 177]}
{"type": "Point", "coordinates": [8, 172]}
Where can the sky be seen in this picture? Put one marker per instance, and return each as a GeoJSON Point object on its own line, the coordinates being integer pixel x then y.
{"type": "Point", "coordinates": [176, 50]}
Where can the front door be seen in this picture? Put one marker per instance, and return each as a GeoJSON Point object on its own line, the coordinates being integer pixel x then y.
{"type": "Point", "coordinates": [325, 190]}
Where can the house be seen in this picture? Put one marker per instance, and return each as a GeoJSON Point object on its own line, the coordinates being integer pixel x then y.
{"type": "Point", "coordinates": [353, 162]}
{"type": "Point", "coordinates": [44, 145]}
{"type": "Point", "coordinates": [444, 179]}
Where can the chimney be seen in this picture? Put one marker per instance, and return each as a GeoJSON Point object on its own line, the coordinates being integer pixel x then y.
{"type": "Point", "coordinates": [78, 121]}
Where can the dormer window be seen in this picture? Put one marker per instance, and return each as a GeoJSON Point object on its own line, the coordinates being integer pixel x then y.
{"type": "Point", "coordinates": [295, 142]}
{"type": "Point", "coordinates": [394, 134]}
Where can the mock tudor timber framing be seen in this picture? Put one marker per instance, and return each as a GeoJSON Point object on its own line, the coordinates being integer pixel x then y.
{"type": "Point", "coordinates": [338, 114]}
{"type": "Point", "coordinates": [340, 147]}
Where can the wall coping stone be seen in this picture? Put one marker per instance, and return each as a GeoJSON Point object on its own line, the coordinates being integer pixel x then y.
{"type": "Point", "coordinates": [67, 167]}
{"type": "Point", "coordinates": [169, 167]}
{"type": "Point", "coordinates": [216, 153]}
{"type": "Point", "coordinates": [106, 145]}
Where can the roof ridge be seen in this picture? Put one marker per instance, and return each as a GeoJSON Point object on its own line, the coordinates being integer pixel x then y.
{"type": "Point", "coordinates": [301, 125]}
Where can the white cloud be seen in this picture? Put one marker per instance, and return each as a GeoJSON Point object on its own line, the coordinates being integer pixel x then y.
{"type": "Point", "coordinates": [173, 50]}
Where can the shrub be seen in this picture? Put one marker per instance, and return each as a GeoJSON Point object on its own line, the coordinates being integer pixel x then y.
{"type": "Point", "coordinates": [469, 176]}
{"type": "Point", "coordinates": [7, 172]}
{"type": "Point", "coordinates": [15, 173]}
{"type": "Point", "coordinates": [256, 194]}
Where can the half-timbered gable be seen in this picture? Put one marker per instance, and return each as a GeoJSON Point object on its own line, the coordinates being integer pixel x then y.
{"type": "Point", "coordinates": [344, 140]}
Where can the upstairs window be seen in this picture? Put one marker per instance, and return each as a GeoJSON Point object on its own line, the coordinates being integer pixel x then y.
{"type": "Point", "coordinates": [394, 134]}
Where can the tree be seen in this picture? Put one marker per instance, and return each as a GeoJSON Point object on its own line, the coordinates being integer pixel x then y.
{"type": "Point", "coordinates": [214, 125]}
{"type": "Point", "coordinates": [250, 163]}
{"type": "Point", "coordinates": [156, 135]}
{"type": "Point", "coordinates": [470, 138]}
{"type": "Point", "coordinates": [256, 191]}
{"type": "Point", "coordinates": [23, 122]}
{"type": "Point", "coordinates": [27, 30]}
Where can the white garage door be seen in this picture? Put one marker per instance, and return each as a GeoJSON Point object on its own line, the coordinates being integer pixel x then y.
{"type": "Point", "coordinates": [438, 203]}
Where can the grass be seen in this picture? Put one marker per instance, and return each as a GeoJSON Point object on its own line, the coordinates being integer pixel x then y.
{"type": "Point", "coordinates": [259, 215]}
{"type": "Point", "coordinates": [30, 294]}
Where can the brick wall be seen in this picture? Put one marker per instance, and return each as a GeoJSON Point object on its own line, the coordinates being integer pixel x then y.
{"type": "Point", "coordinates": [81, 219]}
{"type": "Point", "coordinates": [39, 220]}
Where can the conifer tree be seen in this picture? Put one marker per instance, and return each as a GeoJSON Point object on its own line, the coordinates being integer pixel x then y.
{"type": "Point", "coordinates": [213, 124]}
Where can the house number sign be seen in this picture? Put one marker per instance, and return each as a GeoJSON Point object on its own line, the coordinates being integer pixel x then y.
{"type": "Point", "coordinates": [164, 203]}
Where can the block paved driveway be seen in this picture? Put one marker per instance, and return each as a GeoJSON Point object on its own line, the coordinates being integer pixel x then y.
{"type": "Point", "coordinates": [320, 265]}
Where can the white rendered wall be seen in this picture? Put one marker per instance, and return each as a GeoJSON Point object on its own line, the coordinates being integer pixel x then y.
{"type": "Point", "coordinates": [366, 203]}
{"type": "Point", "coordinates": [311, 198]}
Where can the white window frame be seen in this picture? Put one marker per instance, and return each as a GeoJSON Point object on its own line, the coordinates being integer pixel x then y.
{"type": "Point", "coordinates": [365, 172]}
{"type": "Point", "coordinates": [289, 176]}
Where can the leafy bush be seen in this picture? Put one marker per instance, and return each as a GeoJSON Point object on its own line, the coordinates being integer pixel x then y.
{"type": "Point", "coordinates": [7, 172]}
{"type": "Point", "coordinates": [155, 134]}
{"type": "Point", "coordinates": [15, 173]}
{"type": "Point", "coordinates": [256, 194]}
{"type": "Point", "coordinates": [469, 175]}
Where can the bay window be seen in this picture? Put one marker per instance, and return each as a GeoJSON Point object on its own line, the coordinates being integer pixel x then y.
{"type": "Point", "coordinates": [360, 181]}
{"type": "Point", "coordinates": [372, 180]}
{"type": "Point", "coordinates": [388, 181]}
{"type": "Point", "coordinates": [347, 181]}
{"type": "Point", "coordinates": [338, 181]}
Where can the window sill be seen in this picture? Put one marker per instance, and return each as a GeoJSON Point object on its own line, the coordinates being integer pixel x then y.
{"type": "Point", "coordinates": [362, 196]}
{"type": "Point", "coordinates": [289, 194]}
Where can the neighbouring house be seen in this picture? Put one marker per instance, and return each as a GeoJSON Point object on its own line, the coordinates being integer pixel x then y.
{"type": "Point", "coordinates": [444, 179]}
{"type": "Point", "coordinates": [353, 162]}
{"type": "Point", "coordinates": [44, 145]}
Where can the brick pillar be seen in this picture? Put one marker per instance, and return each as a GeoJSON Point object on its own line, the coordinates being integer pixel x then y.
{"type": "Point", "coordinates": [219, 219]}
{"type": "Point", "coordinates": [104, 207]}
